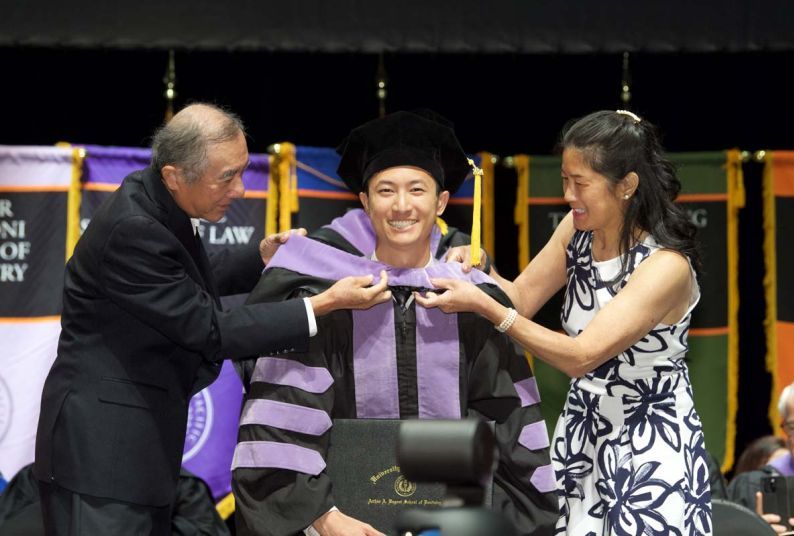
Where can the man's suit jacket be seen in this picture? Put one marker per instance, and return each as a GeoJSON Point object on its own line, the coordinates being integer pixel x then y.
{"type": "Point", "coordinates": [142, 331]}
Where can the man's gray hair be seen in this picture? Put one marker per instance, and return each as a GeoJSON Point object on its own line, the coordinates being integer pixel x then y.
{"type": "Point", "coordinates": [183, 141]}
{"type": "Point", "coordinates": [787, 393]}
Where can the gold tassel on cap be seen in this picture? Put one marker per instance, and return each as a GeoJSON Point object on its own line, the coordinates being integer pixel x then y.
{"type": "Point", "coordinates": [442, 226]}
{"type": "Point", "coordinates": [475, 219]}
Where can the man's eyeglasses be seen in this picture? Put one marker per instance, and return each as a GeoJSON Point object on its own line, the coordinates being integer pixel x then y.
{"type": "Point", "coordinates": [788, 426]}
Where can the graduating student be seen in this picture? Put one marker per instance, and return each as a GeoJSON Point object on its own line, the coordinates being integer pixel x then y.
{"type": "Point", "coordinates": [393, 361]}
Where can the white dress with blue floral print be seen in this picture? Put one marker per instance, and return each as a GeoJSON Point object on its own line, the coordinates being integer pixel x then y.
{"type": "Point", "coordinates": [628, 449]}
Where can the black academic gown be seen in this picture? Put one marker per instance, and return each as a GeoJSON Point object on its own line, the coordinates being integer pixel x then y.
{"type": "Point", "coordinates": [273, 501]}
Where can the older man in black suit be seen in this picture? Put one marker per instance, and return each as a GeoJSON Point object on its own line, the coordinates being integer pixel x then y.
{"type": "Point", "coordinates": [143, 330]}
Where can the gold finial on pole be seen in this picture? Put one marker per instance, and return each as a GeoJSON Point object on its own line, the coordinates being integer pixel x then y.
{"type": "Point", "coordinates": [625, 83]}
{"type": "Point", "coordinates": [380, 83]}
{"type": "Point", "coordinates": [170, 86]}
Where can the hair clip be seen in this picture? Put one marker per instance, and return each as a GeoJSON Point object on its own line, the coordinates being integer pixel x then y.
{"type": "Point", "coordinates": [634, 116]}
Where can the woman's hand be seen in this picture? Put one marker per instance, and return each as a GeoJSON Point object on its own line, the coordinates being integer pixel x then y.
{"type": "Point", "coordinates": [269, 246]}
{"type": "Point", "coordinates": [457, 296]}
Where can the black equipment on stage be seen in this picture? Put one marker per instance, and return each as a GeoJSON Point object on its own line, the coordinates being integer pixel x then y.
{"type": "Point", "coordinates": [462, 455]}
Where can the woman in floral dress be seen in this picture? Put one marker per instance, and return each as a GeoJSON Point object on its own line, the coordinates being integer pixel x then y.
{"type": "Point", "coordinates": [628, 449]}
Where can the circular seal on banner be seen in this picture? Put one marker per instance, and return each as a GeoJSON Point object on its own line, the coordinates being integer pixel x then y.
{"type": "Point", "coordinates": [404, 487]}
{"type": "Point", "coordinates": [199, 424]}
{"type": "Point", "coordinates": [6, 408]}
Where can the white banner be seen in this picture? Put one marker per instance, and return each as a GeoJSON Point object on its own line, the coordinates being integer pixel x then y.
{"type": "Point", "coordinates": [28, 350]}
{"type": "Point", "coordinates": [36, 167]}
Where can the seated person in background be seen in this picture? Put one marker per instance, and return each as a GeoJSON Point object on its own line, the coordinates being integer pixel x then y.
{"type": "Point", "coordinates": [745, 488]}
{"type": "Point", "coordinates": [393, 361]}
{"type": "Point", "coordinates": [759, 453]}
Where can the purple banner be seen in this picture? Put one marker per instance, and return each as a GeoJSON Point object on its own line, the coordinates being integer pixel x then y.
{"type": "Point", "coordinates": [212, 431]}
{"type": "Point", "coordinates": [109, 165]}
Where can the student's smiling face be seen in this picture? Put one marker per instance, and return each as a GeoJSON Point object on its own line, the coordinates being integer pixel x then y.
{"type": "Point", "coordinates": [402, 203]}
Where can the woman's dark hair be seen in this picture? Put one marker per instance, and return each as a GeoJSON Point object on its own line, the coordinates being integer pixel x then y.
{"type": "Point", "coordinates": [757, 454]}
{"type": "Point", "coordinates": [617, 143]}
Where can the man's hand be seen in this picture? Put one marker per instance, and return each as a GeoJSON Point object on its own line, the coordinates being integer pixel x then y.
{"type": "Point", "coordinates": [772, 519]}
{"type": "Point", "coordinates": [269, 246]}
{"type": "Point", "coordinates": [352, 292]}
{"type": "Point", "coordinates": [459, 296]}
{"type": "Point", "coordinates": [462, 254]}
{"type": "Point", "coordinates": [335, 523]}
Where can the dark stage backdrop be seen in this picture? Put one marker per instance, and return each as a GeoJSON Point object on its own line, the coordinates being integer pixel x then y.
{"type": "Point", "coordinates": [497, 26]}
{"type": "Point", "coordinates": [502, 103]}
